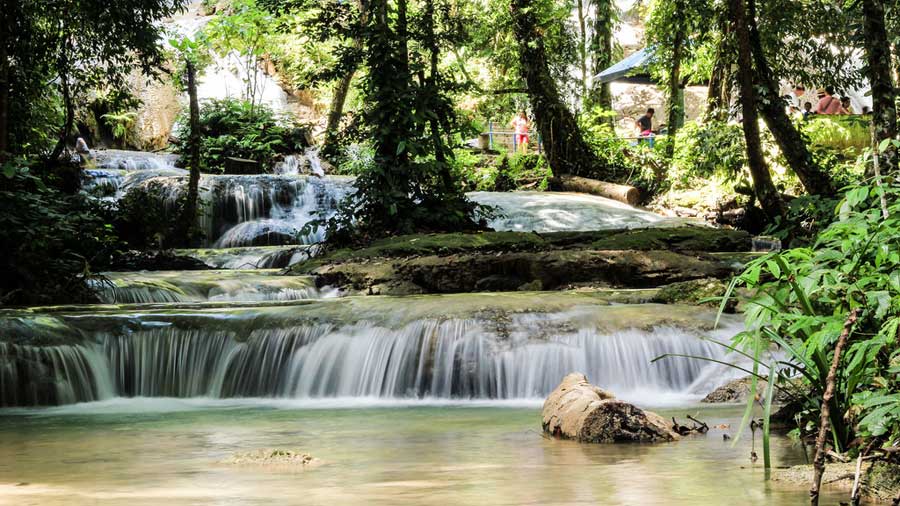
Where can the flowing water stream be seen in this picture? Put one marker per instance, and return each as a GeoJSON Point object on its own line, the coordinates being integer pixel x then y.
{"type": "Point", "coordinates": [407, 400]}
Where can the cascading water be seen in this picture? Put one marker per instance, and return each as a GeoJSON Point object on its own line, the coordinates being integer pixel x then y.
{"type": "Point", "coordinates": [213, 286]}
{"type": "Point", "coordinates": [309, 356]}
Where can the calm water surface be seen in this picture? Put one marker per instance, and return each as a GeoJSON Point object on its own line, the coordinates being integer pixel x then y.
{"type": "Point", "coordinates": [167, 452]}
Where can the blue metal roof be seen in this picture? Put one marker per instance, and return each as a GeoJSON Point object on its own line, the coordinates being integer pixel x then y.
{"type": "Point", "coordinates": [636, 62]}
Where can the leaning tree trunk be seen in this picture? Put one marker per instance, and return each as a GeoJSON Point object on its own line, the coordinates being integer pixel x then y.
{"type": "Point", "coordinates": [771, 106]}
{"type": "Point", "coordinates": [565, 148]}
{"type": "Point", "coordinates": [189, 215]}
{"type": "Point", "coordinates": [768, 197]}
{"type": "Point", "coordinates": [878, 59]}
{"type": "Point", "coordinates": [336, 111]}
{"type": "Point", "coordinates": [601, 47]}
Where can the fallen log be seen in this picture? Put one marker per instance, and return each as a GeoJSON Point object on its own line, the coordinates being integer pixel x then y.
{"type": "Point", "coordinates": [583, 412]}
{"type": "Point", "coordinates": [623, 193]}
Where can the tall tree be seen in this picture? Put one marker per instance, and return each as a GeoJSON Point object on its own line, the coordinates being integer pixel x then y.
{"type": "Point", "coordinates": [95, 44]}
{"type": "Point", "coordinates": [605, 16]}
{"type": "Point", "coordinates": [772, 108]}
{"type": "Point", "coordinates": [765, 191]}
{"type": "Point", "coordinates": [878, 70]}
{"type": "Point", "coordinates": [676, 87]}
{"type": "Point", "coordinates": [565, 148]}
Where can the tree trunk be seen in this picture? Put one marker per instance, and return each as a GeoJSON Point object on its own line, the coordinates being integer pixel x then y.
{"type": "Point", "coordinates": [676, 99]}
{"type": "Point", "coordinates": [69, 116]}
{"type": "Point", "coordinates": [4, 79]}
{"type": "Point", "coordinates": [336, 111]}
{"type": "Point", "coordinates": [582, 50]}
{"type": "Point", "coordinates": [825, 410]}
{"type": "Point", "coordinates": [565, 148]}
{"type": "Point", "coordinates": [601, 47]}
{"type": "Point", "coordinates": [768, 197]}
{"type": "Point", "coordinates": [189, 216]}
{"type": "Point", "coordinates": [772, 108]}
{"type": "Point", "coordinates": [878, 59]}
{"type": "Point", "coordinates": [718, 99]}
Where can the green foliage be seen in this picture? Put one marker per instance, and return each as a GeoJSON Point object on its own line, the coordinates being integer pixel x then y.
{"type": "Point", "coordinates": [504, 173]}
{"type": "Point", "coordinates": [847, 136]}
{"type": "Point", "coordinates": [801, 298]}
{"type": "Point", "coordinates": [51, 240]}
{"type": "Point", "coordinates": [144, 221]}
{"type": "Point", "coordinates": [61, 51]}
{"type": "Point", "coordinates": [246, 31]}
{"type": "Point", "coordinates": [120, 122]}
{"type": "Point", "coordinates": [704, 150]}
{"type": "Point", "coordinates": [234, 128]}
{"type": "Point", "coordinates": [409, 117]}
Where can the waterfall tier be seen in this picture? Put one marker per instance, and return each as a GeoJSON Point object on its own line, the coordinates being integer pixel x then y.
{"type": "Point", "coordinates": [353, 348]}
{"type": "Point", "coordinates": [199, 286]}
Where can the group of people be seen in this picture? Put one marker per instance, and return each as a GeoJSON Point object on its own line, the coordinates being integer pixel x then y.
{"type": "Point", "coordinates": [828, 103]}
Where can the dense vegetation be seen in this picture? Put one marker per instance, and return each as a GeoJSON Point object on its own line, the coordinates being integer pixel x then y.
{"type": "Point", "coordinates": [232, 128]}
{"type": "Point", "coordinates": [402, 85]}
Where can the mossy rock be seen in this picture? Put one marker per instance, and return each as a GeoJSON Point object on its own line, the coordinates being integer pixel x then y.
{"type": "Point", "coordinates": [698, 292]}
{"type": "Point", "coordinates": [681, 239]}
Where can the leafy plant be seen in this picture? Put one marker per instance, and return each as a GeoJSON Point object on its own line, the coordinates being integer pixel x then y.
{"type": "Point", "coordinates": [52, 241]}
{"type": "Point", "coordinates": [234, 128]}
{"type": "Point", "coordinates": [705, 149]}
{"type": "Point", "coordinates": [120, 122]}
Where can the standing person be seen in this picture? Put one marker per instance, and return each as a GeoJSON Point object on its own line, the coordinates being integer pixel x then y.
{"type": "Point", "coordinates": [645, 125]}
{"type": "Point", "coordinates": [828, 103]}
{"type": "Point", "coordinates": [521, 124]}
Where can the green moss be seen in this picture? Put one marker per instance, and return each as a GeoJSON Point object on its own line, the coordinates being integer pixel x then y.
{"type": "Point", "coordinates": [676, 239]}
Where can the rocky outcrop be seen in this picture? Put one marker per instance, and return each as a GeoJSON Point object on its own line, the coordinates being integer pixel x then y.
{"type": "Point", "coordinates": [698, 292]}
{"type": "Point", "coordinates": [550, 270]}
{"type": "Point", "coordinates": [739, 390]}
{"type": "Point", "coordinates": [163, 260]}
{"type": "Point", "coordinates": [586, 413]}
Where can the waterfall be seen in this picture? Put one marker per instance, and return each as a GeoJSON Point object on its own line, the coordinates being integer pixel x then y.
{"type": "Point", "coordinates": [215, 286]}
{"type": "Point", "coordinates": [424, 358]}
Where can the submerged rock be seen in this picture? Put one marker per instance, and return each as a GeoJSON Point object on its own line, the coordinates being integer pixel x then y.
{"type": "Point", "coordinates": [581, 411]}
{"type": "Point", "coordinates": [272, 457]}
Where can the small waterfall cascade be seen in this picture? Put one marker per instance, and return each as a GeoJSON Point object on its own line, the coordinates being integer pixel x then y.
{"type": "Point", "coordinates": [457, 358]}
{"type": "Point", "coordinates": [309, 162]}
{"type": "Point", "coordinates": [270, 210]}
{"type": "Point", "coordinates": [258, 257]}
{"type": "Point", "coordinates": [212, 286]}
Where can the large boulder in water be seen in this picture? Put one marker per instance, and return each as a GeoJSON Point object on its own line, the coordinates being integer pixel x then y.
{"type": "Point", "coordinates": [581, 411]}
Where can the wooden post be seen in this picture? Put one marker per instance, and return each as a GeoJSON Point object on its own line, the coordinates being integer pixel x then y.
{"type": "Point", "coordinates": [825, 411]}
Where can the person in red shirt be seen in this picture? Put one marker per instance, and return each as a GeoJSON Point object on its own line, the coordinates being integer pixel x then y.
{"type": "Point", "coordinates": [828, 103]}
{"type": "Point", "coordinates": [521, 124]}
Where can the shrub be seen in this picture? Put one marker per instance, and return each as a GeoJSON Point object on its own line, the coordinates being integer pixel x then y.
{"type": "Point", "coordinates": [51, 240]}
{"type": "Point", "coordinates": [704, 150]}
{"type": "Point", "coordinates": [846, 135]}
{"type": "Point", "coordinates": [235, 128]}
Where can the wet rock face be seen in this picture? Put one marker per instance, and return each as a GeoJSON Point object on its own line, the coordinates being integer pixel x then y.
{"type": "Point", "coordinates": [586, 413]}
